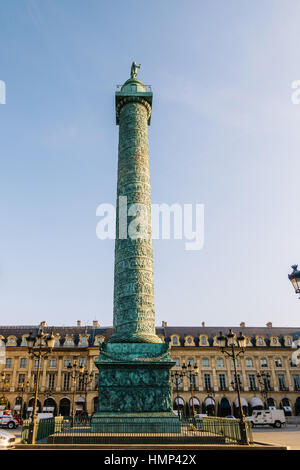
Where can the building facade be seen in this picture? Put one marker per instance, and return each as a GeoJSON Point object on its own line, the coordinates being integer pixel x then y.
{"type": "Point", "coordinates": [270, 352]}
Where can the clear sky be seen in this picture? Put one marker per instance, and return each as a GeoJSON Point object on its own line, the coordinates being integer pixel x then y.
{"type": "Point", "coordinates": [224, 133]}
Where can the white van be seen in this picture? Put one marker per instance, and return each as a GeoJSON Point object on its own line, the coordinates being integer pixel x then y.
{"type": "Point", "coordinates": [44, 415]}
{"type": "Point", "coordinates": [275, 418]}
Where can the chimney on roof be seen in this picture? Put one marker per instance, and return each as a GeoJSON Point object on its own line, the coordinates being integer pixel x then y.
{"type": "Point", "coordinates": [164, 324]}
{"type": "Point", "coordinates": [203, 323]}
{"type": "Point", "coordinates": [242, 324]}
{"type": "Point", "coordinates": [78, 322]}
{"type": "Point", "coordinates": [96, 324]}
{"type": "Point", "coordinates": [269, 324]}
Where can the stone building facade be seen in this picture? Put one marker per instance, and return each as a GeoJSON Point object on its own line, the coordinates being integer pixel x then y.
{"type": "Point", "coordinates": [269, 350]}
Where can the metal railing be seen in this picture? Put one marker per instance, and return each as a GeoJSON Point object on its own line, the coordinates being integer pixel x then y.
{"type": "Point", "coordinates": [45, 427]}
{"type": "Point", "coordinates": [208, 430]}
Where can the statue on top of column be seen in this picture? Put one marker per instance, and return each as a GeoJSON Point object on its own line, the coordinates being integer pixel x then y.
{"type": "Point", "coordinates": [134, 68]}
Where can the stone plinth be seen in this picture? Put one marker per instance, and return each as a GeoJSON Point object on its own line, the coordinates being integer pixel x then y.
{"type": "Point", "coordinates": [135, 389]}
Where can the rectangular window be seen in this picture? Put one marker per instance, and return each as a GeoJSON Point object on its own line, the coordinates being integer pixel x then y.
{"type": "Point", "coordinates": [51, 381]}
{"type": "Point", "coordinates": [66, 383]}
{"type": "Point", "coordinates": [52, 362]}
{"type": "Point", "coordinates": [220, 362]}
{"type": "Point", "coordinates": [205, 362]}
{"type": "Point", "coordinates": [252, 381]}
{"type": "Point", "coordinates": [5, 383]}
{"type": "Point", "coordinates": [263, 362]}
{"type": "Point", "coordinates": [249, 362]}
{"type": "Point", "coordinates": [296, 382]}
{"type": "Point", "coordinates": [23, 363]}
{"type": "Point", "coordinates": [67, 362]}
{"type": "Point", "coordinates": [281, 382]}
{"type": "Point", "coordinates": [80, 384]}
{"type": "Point", "coordinates": [222, 381]}
{"type": "Point", "coordinates": [234, 381]}
{"type": "Point", "coordinates": [207, 382]}
{"type": "Point", "coordinates": [21, 378]}
{"type": "Point", "coordinates": [8, 363]}
{"type": "Point", "coordinates": [36, 363]}
{"type": "Point", "coordinates": [82, 362]}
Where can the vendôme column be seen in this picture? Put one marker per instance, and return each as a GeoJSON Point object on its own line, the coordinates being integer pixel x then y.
{"type": "Point", "coordinates": [134, 364]}
{"type": "Point", "coordinates": [134, 313]}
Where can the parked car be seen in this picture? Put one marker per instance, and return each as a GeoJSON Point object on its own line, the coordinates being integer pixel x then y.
{"type": "Point", "coordinates": [230, 417]}
{"type": "Point", "coordinates": [9, 421]}
{"type": "Point", "coordinates": [275, 418]}
{"type": "Point", "coordinates": [7, 440]}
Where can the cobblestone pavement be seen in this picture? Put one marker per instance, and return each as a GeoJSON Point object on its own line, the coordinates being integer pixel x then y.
{"type": "Point", "coordinates": [287, 435]}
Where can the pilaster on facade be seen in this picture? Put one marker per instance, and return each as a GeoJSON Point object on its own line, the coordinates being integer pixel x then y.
{"type": "Point", "coordinates": [59, 374]}
{"type": "Point", "coordinates": [14, 381]}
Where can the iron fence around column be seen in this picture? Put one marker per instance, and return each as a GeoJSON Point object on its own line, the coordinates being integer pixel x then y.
{"type": "Point", "coordinates": [45, 427]}
{"type": "Point", "coordinates": [208, 430]}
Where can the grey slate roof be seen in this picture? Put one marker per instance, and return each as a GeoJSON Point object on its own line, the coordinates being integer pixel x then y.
{"type": "Point", "coordinates": [167, 332]}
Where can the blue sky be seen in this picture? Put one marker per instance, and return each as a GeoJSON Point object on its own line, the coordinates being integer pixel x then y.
{"type": "Point", "coordinates": [224, 133]}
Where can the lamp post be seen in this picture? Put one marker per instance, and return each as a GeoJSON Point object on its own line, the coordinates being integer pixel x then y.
{"type": "Point", "coordinates": [177, 378]}
{"type": "Point", "coordinates": [22, 388]}
{"type": "Point", "coordinates": [241, 341]}
{"type": "Point", "coordinates": [38, 350]}
{"type": "Point", "coordinates": [294, 277]}
{"type": "Point", "coordinates": [87, 380]}
{"type": "Point", "coordinates": [191, 372]}
{"type": "Point", "coordinates": [263, 380]}
{"type": "Point", "coordinates": [76, 370]}
{"type": "Point", "coordinates": [5, 386]}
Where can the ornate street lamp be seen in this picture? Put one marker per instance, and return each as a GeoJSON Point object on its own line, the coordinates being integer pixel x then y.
{"type": "Point", "coordinates": [87, 380]}
{"type": "Point", "coordinates": [191, 372]}
{"type": "Point", "coordinates": [76, 370]}
{"type": "Point", "coordinates": [294, 277]}
{"type": "Point", "coordinates": [263, 380]}
{"type": "Point", "coordinates": [5, 388]}
{"type": "Point", "coordinates": [241, 341]}
{"type": "Point", "coordinates": [22, 387]}
{"type": "Point", "coordinates": [177, 378]}
{"type": "Point", "coordinates": [37, 349]}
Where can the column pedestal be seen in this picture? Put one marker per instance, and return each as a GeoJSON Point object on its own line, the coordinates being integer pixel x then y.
{"type": "Point", "coordinates": [135, 389]}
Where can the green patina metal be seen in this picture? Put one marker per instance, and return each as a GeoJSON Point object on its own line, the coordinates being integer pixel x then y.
{"type": "Point", "coordinates": [134, 365]}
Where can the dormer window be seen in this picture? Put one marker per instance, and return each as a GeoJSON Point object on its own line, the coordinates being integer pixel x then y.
{"type": "Point", "coordinates": [288, 341]}
{"type": "Point", "coordinates": [69, 342]}
{"type": "Point", "coordinates": [175, 340]}
{"type": "Point", "coordinates": [12, 341]}
{"type": "Point", "coordinates": [83, 341]}
{"type": "Point", "coordinates": [259, 341]}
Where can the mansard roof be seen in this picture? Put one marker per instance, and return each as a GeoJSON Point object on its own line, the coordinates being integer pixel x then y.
{"type": "Point", "coordinates": [166, 331]}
